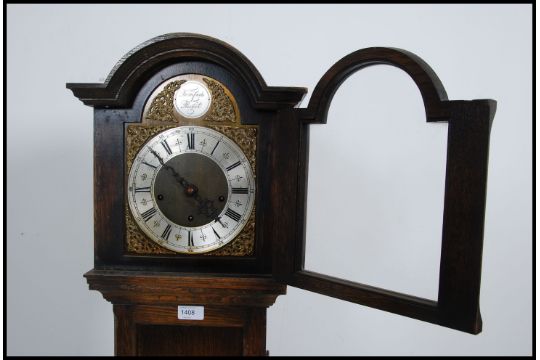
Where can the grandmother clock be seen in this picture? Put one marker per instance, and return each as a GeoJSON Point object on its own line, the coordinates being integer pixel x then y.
{"type": "Point", "coordinates": [200, 174]}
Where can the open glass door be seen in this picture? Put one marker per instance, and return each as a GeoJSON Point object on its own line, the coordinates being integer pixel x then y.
{"type": "Point", "coordinates": [457, 302]}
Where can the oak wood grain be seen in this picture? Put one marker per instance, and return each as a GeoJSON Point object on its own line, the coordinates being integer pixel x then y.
{"type": "Point", "coordinates": [145, 306]}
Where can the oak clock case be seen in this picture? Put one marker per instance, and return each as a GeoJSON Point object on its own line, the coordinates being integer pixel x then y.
{"type": "Point", "coordinates": [200, 187]}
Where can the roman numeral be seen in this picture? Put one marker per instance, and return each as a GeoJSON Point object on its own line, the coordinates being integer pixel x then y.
{"type": "Point", "coordinates": [142, 189]}
{"type": "Point", "coordinates": [166, 232]}
{"type": "Point", "coordinates": [217, 235]}
{"type": "Point", "coordinates": [191, 141]}
{"type": "Point", "coordinates": [233, 214]}
{"type": "Point", "coordinates": [147, 215]}
{"type": "Point", "coordinates": [239, 190]}
{"type": "Point", "coordinates": [190, 239]}
{"type": "Point", "coordinates": [215, 147]}
{"type": "Point", "coordinates": [152, 166]}
{"type": "Point", "coordinates": [233, 166]}
{"type": "Point", "coordinates": [166, 146]}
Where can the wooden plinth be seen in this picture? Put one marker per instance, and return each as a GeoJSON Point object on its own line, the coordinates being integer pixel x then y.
{"type": "Point", "coordinates": [145, 306]}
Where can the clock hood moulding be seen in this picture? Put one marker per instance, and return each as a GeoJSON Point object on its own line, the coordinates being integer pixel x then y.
{"type": "Point", "coordinates": [146, 59]}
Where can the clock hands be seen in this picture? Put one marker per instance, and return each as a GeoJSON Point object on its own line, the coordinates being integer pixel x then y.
{"type": "Point", "coordinates": [190, 189]}
{"type": "Point", "coordinates": [205, 206]}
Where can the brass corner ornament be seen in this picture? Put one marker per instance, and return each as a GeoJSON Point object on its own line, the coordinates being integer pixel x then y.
{"type": "Point", "coordinates": [222, 109]}
{"type": "Point", "coordinates": [221, 105]}
{"type": "Point", "coordinates": [162, 107]}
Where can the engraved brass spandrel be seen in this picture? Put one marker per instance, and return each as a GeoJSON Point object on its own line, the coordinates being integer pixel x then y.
{"type": "Point", "coordinates": [222, 109]}
{"type": "Point", "coordinates": [246, 138]}
{"type": "Point", "coordinates": [136, 136]}
{"type": "Point", "coordinates": [243, 244]}
{"type": "Point", "coordinates": [137, 242]}
{"type": "Point", "coordinates": [162, 106]}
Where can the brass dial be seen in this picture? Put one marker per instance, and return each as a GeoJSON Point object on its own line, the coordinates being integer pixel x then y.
{"type": "Point", "coordinates": [191, 189]}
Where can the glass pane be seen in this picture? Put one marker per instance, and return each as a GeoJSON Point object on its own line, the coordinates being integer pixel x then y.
{"type": "Point", "coordinates": [376, 186]}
